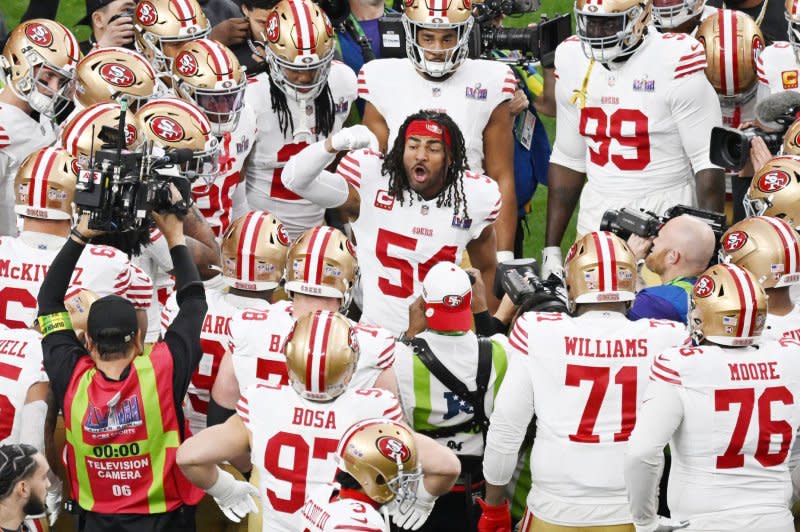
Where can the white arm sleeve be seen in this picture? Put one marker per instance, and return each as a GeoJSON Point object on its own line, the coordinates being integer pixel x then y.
{"type": "Point", "coordinates": [658, 418]}
{"type": "Point", "coordinates": [305, 175]}
{"type": "Point", "coordinates": [239, 198]}
{"type": "Point", "coordinates": [695, 109]}
{"type": "Point", "coordinates": [513, 410]}
{"type": "Point", "coordinates": [32, 419]}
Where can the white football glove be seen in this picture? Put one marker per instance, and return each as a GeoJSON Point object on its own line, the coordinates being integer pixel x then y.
{"type": "Point", "coordinates": [417, 514]}
{"type": "Point", "coordinates": [354, 138]}
{"type": "Point", "coordinates": [552, 262]}
{"type": "Point", "coordinates": [663, 524]}
{"type": "Point", "coordinates": [234, 497]}
{"type": "Point", "coordinates": [53, 498]}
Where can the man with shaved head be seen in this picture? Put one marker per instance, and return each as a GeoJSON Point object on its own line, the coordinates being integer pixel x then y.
{"type": "Point", "coordinates": [678, 254]}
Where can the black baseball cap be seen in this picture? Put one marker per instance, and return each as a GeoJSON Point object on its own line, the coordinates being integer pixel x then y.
{"type": "Point", "coordinates": [112, 320]}
{"type": "Point", "coordinates": [91, 7]}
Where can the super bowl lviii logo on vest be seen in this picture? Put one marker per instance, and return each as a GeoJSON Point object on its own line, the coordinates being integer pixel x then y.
{"type": "Point", "coordinates": [115, 416]}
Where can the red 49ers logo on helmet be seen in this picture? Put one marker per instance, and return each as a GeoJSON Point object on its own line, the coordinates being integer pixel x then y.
{"type": "Point", "coordinates": [39, 34]}
{"type": "Point", "coordinates": [734, 241]}
{"type": "Point", "coordinates": [75, 167]}
{"type": "Point", "coordinates": [350, 247]}
{"type": "Point", "coordinates": [571, 253]}
{"type": "Point", "coordinates": [704, 286]}
{"type": "Point", "coordinates": [117, 75]}
{"type": "Point", "coordinates": [130, 134]}
{"type": "Point", "coordinates": [328, 26]}
{"type": "Point", "coordinates": [186, 64]}
{"type": "Point", "coordinates": [166, 129]}
{"type": "Point", "coordinates": [773, 181]}
{"type": "Point", "coordinates": [283, 236]}
{"type": "Point", "coordinates": [146, 14]}
{"type": "Point", "coordinates": [452, 301]}
{"type": "Point", "coordinates": [393, 449]}
{"type": "Point", "coordinates": [273, 27]}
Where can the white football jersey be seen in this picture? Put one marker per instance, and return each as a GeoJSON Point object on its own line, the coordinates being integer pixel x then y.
{"type": "Point", "coordinates": [20, 368]}
{"type": "Point", "coordinates": [730, 451]}
{"type": "Point", "coordinates": [399, 242]}
{"type": "Point", "coordinates": [468, 96]}
{"type": "Point", "coordinates": [636, 128]}
{"type": "Point", "coordinates": [20, 135]}
{"type": "Point", "coordinates": [257, 338]}
{"type": "Point", "coordinates": [324, 511]}
{"type": "Point", "coordinates": [23, 265]}
{"type": "Point", "coordinates": [429, 404]}
{"type": "Point", "coordinates": [272, 149]}
{"type": "Point", "coordinates": [777, 70]}
{"type": "Point", "coordinates": [734, 114]}
{"type": "Point", "coordinates": [216, 201]}
{"type": "Point", "coordinates": [588, 375]}
{"type": "Point", "coordinates": [294, 446]}
{"type": "Point", "coordinates": [787, 326]}
{"type": "Point", "coordinates": [214, 339]}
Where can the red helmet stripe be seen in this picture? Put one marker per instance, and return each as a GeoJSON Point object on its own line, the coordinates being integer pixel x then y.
{"type": "Point", "coordinates": [307, 266]}
{"type": "Point", "coordinates": [306, 41]}
{"type": "Point", "coordinates": [612, 269]}
{"type": "Point", "coordinates": [240, 251]}
{"type": "Point", "coordinates": [733, 37]}
{"type": "Point", "coordinates": [606, 262]}
{"type": "Point", "coordinates": [79, 124]}
{"type": "Point", "coordinates": [185, 12]}
{"type": "Point", "coordinates": [724, 65]}
{"type": "Point", "coordinates": [747, 300]}
{"type": "Point", "coordinates": [791, 251]}
{"type": "Point", "coordinates": [49, 157]}
{"type": "Point", "coordinates": [324, 351]}
{"type": "Point", "coordinates": [222, 64]}
{"type": "Point", "coordinates": [72, 44]}
{"type": "Point", "coordinates": [320, 257]}
{"type": "Point", "coordinates": [312, 367]}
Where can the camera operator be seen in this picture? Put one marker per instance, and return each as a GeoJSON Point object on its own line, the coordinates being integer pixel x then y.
{"type": "Point", "coordinates": [447, 378]}
{"type": "Point", "coordinates": [554, 356]}
{"type": "Point", "coordinates": [122, 411]}
{"type": "Point", "coordinates": [678, 254]}
{"type": "Point", "coordinates": [436, 74]}
{"type": "Point", "coordinates": [24, 481]}
{"type": "Point", "coordinates": [111, 22]}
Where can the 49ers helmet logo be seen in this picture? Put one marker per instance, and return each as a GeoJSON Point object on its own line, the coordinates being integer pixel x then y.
{"type": "Point", "coordinates": [186, 64]}
{"type": "Point", "coordinates": [273, 27]}
{"type": "Point", "coordinates": [130, 134]}
{"type": "Point", "coordinates": [283, 236]}
{"type": "Point", "coordinates": [773, 181]}
{"type": "Point", "coordinates": [39, 34]}
{"type": "Point", "coordinates": [393, 449]}
{"type": "Point", "coordinates": [734, 241]}
{"type": "Point", "coordinates": [146, 14]}
{"type": "Point", "coordinates": [75, 167]}
{"type": "Point", "coordinates": [704, 286]}
{"type": "Point", "coordinates": [167, 129]}
{"type": "Point", "coordinates": [117, 75]}
{"type": "Point", "coordinates": [452, 301]}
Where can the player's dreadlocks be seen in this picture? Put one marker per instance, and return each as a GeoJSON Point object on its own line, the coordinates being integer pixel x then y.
{"type": "Point", "coordinates": [452, 194]}
{"type": "Point", "coordinates": [323, 110]}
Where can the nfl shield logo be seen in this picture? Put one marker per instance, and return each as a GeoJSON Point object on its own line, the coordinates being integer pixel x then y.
{"type": "Point", "coordinates": [436, 92]}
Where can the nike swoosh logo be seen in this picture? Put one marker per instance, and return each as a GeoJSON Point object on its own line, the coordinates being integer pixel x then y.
{"type": "Point", "coordinates": [696, 46]}
{"type": "Point", "coordinates": [360, 520]}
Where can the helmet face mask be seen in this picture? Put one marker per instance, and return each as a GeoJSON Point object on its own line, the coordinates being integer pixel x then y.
{"type": "Point", "coordinates": [299, 48]}
{"type": "Point", "coordinates": [669, 14]}
{"type": "Point", "coordinates": [436, 16]}
{"type": "Point", "coordinates": [38, 53]}
{"type": "Point", "coordinates": [608, 30]}
{"type": "Point", "coordinates": [792, 13]}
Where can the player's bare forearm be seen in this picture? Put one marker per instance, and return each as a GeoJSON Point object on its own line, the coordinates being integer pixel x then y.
{"type": "Point", "coordinates": [545, 103]}
{"type": "Point", "coordinates": [196, 227]}
{"type": "Point", "coordinates": [439, 464]}
{"type": "Point", "coordinates": [563, 191]}
{"type": "Point", "coordinates": [483, 256]}
{"type": "Point", "coordinates": [377, 124]}
{"type": "Point", "coordinates": [498, 163]}
{"type": "Point", "coordinates": [495, 495]}
{"type": "Point", "coordinates": [199, 455]}
{"type": "Point", "coordinates": [710, 185]}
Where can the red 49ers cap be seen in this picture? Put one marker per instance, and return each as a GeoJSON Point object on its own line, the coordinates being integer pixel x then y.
{"type": "Point", "coordinates": [447, 294]}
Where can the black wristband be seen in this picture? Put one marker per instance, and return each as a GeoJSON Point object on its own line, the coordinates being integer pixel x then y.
{"type": "Point", "coordinates": [483, 323]}
{"type": "Point", "coordinates": [77, 234]}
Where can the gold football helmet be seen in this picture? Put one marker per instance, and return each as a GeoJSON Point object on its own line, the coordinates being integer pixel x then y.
{"type": "Point", "coordinates": [791, 140]}
{"type": "Point", "coordinates": [600, 268]}
{"type": "Point", "coordinates": [775, 190]}
{"type": "Point", "coordinates": [321, 262]}
{"type": "Point", "coordinates": [173, 123]}
{"type": "Point", "coordinates": [731, 56]}
{"type": "Point", "coordinates": [766, 247]}
{"type": "Point", "coordinates": [209, 75]}
{"type": "Point", "coordinates": [83, 134]}
{"type": "Point", "coordinates": [728, 306]}
{"type": "Point", "coordinates": [161, 26]}
{"type": "Point", "coordinates": [254, 252]}
{"type": "Point", "coordinates": [299, 43]}
{"type": "Point", "coordinates": [437, 15]}
{"type": "Point", "coordinates": [321, 355]}
{"type": "Point", "coordinates": [382, 456]}
{"type": "Point", "coordinates": [107, 74]}
{"type": "Point", "coordinates": [78, 304]}
{"type": "Point", "coordinates": [35, 52]}
{"type": "Point", "coordinates": [669, 14]}
{"type": "Point", "coordinates": [45, 185]}
{"type": "Point", "coordinates": [609, 29]}
{"type": "Point", "coordinates": [793, 18]}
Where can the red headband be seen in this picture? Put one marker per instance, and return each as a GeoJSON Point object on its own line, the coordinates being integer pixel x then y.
{"type": "Point", "coordinates": [428, 128]}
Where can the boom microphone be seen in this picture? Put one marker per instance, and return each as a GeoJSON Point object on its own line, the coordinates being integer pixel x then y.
{"type": "Point", "coordinates": [781, 105]}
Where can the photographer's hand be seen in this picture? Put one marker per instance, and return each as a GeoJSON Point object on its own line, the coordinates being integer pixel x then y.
{"type": "Point", "coordinates": [759, 153]}
{"type": "Point", "coordinates": [119, 32]}
{"type": "Point", "coordinates": [478, 292]}
{"type": "Point", "coordinates": [172, 228]}
{"type": "Point", "coordinates": [83, 229]}
{"type": "Point", "coordinates": [640, 246]}
{"type": "Point", "coordinates": [416, 318]}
